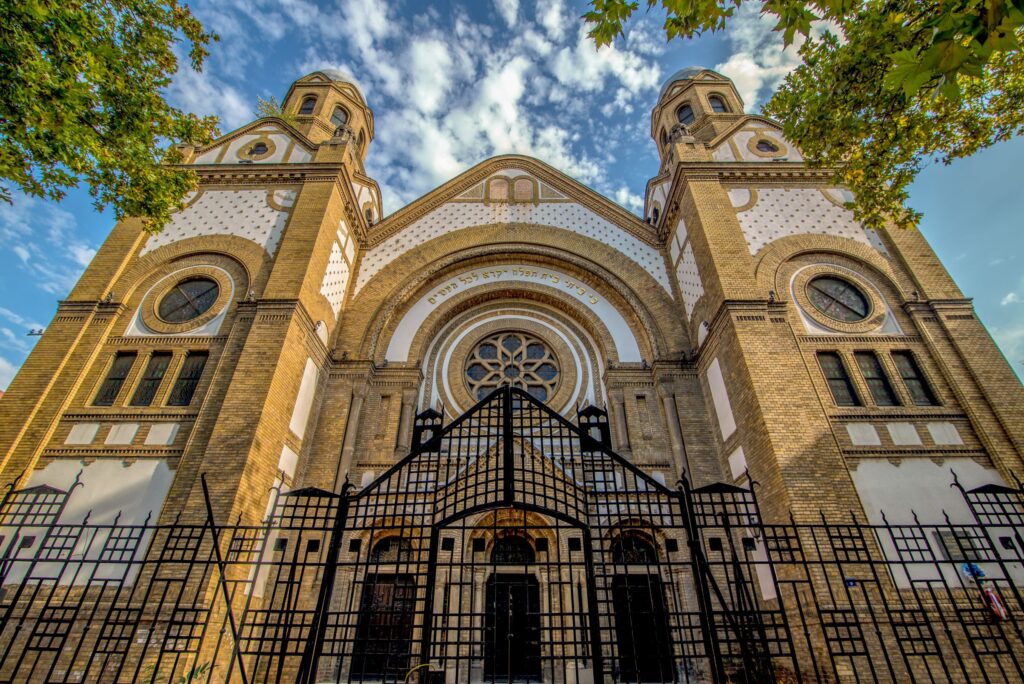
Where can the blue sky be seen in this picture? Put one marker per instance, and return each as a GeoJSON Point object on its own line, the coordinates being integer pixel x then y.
{"type": "Point", "coordinates": [452, 83]}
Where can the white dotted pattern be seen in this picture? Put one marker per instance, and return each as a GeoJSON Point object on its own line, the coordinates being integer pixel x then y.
{"type": "Point", "coordinates": [690, 285]}
{"type": "Point", "coordinates": [458, 215]}
{"type": "Point", "coordinates": [339, 267]}
{"type": "Point", "coordinates": [243, 213]}
{"type": "Point", "coordinates": [780, 212]}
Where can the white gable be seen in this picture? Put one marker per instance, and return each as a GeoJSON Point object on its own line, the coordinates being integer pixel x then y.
{"type": "Point", "coordinates": [485, 204]}
{"type": "Point", "coordinates": [281, 148]}
{"type": "Point", "coordinates": [741, 145]}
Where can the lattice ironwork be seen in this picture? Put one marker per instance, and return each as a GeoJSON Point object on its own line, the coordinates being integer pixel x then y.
{"type": "Point", "coordinates": [511, 545]}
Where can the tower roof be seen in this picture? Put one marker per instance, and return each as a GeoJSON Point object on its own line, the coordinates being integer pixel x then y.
{"type": "Point", "coordinates": [686, 74]}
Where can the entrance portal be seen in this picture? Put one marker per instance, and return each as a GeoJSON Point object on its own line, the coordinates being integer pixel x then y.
{"type": "Point", "coordinates": [512, 628]}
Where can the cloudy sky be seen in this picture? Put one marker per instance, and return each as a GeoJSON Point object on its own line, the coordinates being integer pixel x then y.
{"type": "Point", "coordinates": [452, 83]}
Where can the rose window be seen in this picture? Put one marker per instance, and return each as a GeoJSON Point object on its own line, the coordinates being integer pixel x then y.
{"type": "Point", "coordinates": [512, 358]}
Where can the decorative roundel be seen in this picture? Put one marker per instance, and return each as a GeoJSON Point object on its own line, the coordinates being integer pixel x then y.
{"type": "Point", "coordinates": [512, 358]}
{"type": "Point", "coordinates": [838, 298]}
{"type": "Point", "coordinates": [188, 299]}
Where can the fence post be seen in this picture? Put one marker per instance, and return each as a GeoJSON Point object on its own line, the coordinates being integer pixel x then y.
{"type": "Point", "coordinates": [700, 571]}
{"type": "Point", "coordinates": [222, 571]}
{"type": "Point", "coordinates": [318, 628]}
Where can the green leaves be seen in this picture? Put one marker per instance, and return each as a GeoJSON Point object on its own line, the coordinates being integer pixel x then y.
{"type": "Point", "coordinates": [908, 81]}
{"type": "Point", "coordinates": [81, 100]}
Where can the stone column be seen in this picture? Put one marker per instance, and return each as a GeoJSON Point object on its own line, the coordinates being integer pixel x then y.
{"type": "Point", "coordinates": [675, 435]}
{"type": "Point", "coordinates": [621, 433]}
{"type": "Point", "coordinates": [348, 447]}
{"type": "Point", "coordinates": [405, 419]}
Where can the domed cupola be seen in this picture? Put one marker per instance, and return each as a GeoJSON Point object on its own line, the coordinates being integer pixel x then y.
{"type": "Point", "coordinates": [694, 102]}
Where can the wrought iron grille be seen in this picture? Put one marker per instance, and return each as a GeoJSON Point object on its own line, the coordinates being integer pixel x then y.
{"type": "Point", "coordinates": [511, 545]}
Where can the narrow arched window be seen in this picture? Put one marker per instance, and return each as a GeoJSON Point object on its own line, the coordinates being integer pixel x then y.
{"type": "Point", "coordinates": [392, 550]}
{"type": "Point", "coordinates": [512, 550]}
{"type": "Point", "coordinates": [369, 216]}
{"type": "Point", "coordinates": [685, 115]}
{"type": "Point", "coordinates": [654, 215]}
{"type": "Point", "coordinates": [717, 104]}
{"type": "Point", "coordinates": [664, 138]}
{"type": "Point", "coordinates": [340, 117]}
{"type": "Point", "coordinates": [631, 548]}
{"type": "Point", "coordinates": [307, 106]}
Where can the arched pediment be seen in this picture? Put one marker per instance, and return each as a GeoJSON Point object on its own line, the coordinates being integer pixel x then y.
{"type": "Point", "coordinates": [512, 190]}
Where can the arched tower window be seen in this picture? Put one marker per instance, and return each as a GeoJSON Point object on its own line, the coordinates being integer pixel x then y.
{"type": "Point", "coordinates": [392, 550]}
{"type": "Point", "coordinates": [512, 550]}
{"type": "Point", "coordinates": [664, 137]}
{"type": "Point", "coordinates": [717, 104]}
{"type": "Point", "coordinates": [631, 548]}
{"type": "Point", "coordinates": [685, 115]}
{"type": "Point", "coordinates": [340, 116]}
{"type": "Point", "coordinates": [655, 212]}
{"type": "Point", "coordinates": [308, 105]}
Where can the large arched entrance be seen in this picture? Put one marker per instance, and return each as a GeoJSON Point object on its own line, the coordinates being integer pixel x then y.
{"type": "Point", "coordinates": [511, 546]}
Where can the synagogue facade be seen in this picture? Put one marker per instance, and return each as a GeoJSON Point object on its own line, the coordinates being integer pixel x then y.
{"type": "Point", "coordinates": [426, 395]}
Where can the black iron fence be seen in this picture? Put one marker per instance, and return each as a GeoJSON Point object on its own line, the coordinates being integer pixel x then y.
{"type": "Point", "coordinates": [512, 545]}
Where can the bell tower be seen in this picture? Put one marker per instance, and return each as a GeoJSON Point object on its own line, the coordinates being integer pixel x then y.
{"type": "Point", "coordinates": [330, 110]}
{"type": "Point", "coordinates": [695, 102]}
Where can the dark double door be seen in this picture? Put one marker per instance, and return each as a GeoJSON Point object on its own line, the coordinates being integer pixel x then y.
{"type": "Point", "coordinates": [512, 628]}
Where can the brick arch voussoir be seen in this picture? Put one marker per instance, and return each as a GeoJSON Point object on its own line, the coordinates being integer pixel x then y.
{"type": "Point", "coordinates": [774, 257]}
{"type": "Point", "coordinates": [644, 298]}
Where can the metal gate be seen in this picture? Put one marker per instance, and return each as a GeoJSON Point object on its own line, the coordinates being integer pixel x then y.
{"type": "Point", "coordinates": [511, 546]}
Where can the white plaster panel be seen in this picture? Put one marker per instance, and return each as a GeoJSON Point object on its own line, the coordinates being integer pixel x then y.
{"type": "Point", "coordinates": [863, 434]}
{"type": "Point", "coordinates": [681, 235]}
{"type": "Point", "coordinates": [82, 433]}
{"type": "Point", "coordinates": [304, 399]}
{"type": "Point", "coordinates": [918, 485]}
{"type": "Point", "coordinates": [739, 196]}
{"type": "Point", "coordinates": [367, 478]}
{"type": "Point", "coordinates": [122, 433]}
{"type": "Point", "coordinates": [162, 434]}
{"type": "Point", "coordinates": [626, 345]}
{"type": "Point", "coordinates": [945, 434]}
{"type": "Point", "coordinates": [742, 139]}
{"type": "Point", "coordinates": [335, 279]}
{"type": "Point", "coordinates": [903, 434]}
{"type": "Point", "coordinates": [284, 149]}
{"type": "Point", "coordinates": [288, 461]}
{"type": "Point", "coordinates": [243, 213]}
{"type": "Point", "coordinates": [690, 284]}
{"type": "Point", "coordinates": [108, 487]}
{"type": "Point", "coordinates": [737, 463]}
{"type": "Point", "coordinates": [454, 216]}
{"type": "Point", "coordinates": [723, 153]}
{"type": "Point", "coordinates": [780, 212]}
{"type": "Point", "coordinates": [720, 398]}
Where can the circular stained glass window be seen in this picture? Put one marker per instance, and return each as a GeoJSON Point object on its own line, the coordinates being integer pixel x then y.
{"type": "Point", "coordinates": [188, 299]}
{"type": "Point", "coordinates": [839, 299]}
{"type": "Point", "coordinates": [512, 358]}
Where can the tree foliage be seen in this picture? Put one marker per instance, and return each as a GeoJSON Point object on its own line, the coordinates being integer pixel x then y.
{"type": "Point", "coordinates": [82, 99]}
{"type": "Point", "coordinates": [272, 107]}
{"type": "Point", "coordinates": [884, 86]}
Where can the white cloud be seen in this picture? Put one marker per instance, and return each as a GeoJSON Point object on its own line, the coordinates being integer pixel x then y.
{"type": "Point", "coordinates": [13, 341]}
{"type": "Point", "coordinates": [45, 238]}
{"type": "Point", "coordinates": [1010, 298]}
{"type": "Point", "coordinates": [585, 67]}
{"type": "Point", "coordinates": [759, 63]}
{"type": "Point", "coordinates": [629, 200]}
{"type": "Point", "coordinates": [553, 18]}
{"type": "Point", "coordinates": [430, 66]}
{"type": "Point", "coordinates": [509, 10]}
{"type": "Point", "coordinates": [202, 93]}
{"type": "Point", "coordinates": [18, 319]}
{"type": "Point", "coordinates": [7, 372]}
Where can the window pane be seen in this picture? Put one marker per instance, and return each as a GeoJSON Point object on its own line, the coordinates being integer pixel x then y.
{"type": "Point", "coordinates": [685, 115]}
{"type": "Point", "coordinates": [340, 117]}
{"type": "Point", "coordinates": [717, 104]}
{"type": "Point", "coordinates": [119, 369]}
{"type": "Point", "coordinates": [151, 379]}
{"type": "Point", "coordinates": [915, 381]}
{"type": "Point", "coordinates": [188, 379]}
{"type": "Point", "coordinates": [307, 106]}
{"type": "Point", "coordinates": [838, 380]}
{"type": "Point", "coordinates": [878, 381]}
